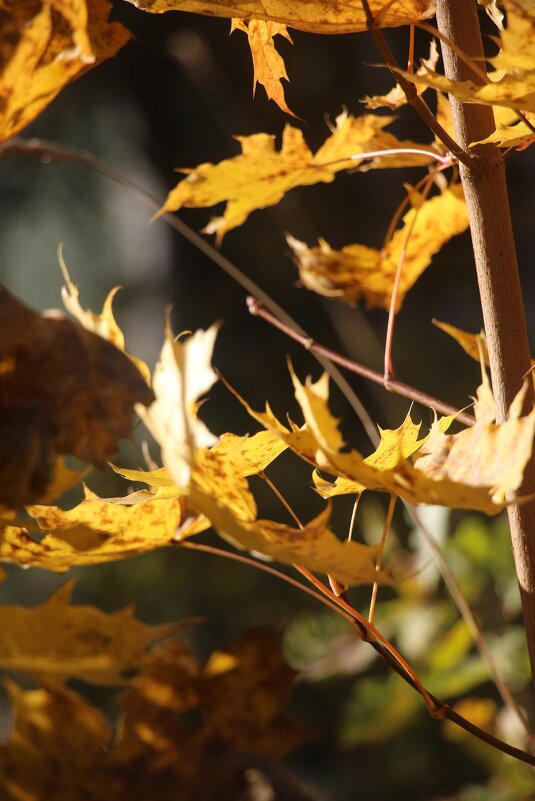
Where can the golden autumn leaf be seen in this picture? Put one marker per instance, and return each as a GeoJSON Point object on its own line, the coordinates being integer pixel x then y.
{"type": "Point", "coordinates": [61, 640]}
{"type": "Point", "coordinates": [104, 323]}
{"type": "Point", "coordinates": [396, 97]}
{"type": "Point", "coordinates": [512, 84]}
{"type": "Point", "coordinates": [357, 271]}
{"type": "Point", "coordinates": [269, 69]}
{"type": "Point", "coordinates": [61, 747]}
{"type": "Point", "coordinates": [221, 493]}
{"type": "Point", "coordinates": [475, 345]}
{"type": "Point", "coordinates": [96, 531]}
{"type": "Point", "coordinates": [63, 390]}
{"type": "Point", "coordinates": [481, 486]}
{"type": "Point", "coordinates": [260, 175]}
{"type": "Point", "coordinates": [45, 46]}
{"type": "Point", "coordinates": [182, 375]}
{"type": "Point", "coordinates": [514, 133]}
{"type": "Point", "coordinates": [315, 16]}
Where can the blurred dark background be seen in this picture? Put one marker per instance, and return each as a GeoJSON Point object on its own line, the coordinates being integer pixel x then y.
{"type": "Point", "coordinates": [174, 97]}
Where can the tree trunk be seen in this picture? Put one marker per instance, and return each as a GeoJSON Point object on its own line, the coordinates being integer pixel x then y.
{"type": "Point", "coordinates": [497, 272]}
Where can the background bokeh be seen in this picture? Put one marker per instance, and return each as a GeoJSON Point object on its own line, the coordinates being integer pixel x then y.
{"type": "Point", "coordinates": [174, 97]}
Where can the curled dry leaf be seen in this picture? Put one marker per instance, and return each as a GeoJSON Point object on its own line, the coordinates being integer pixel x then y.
{"type": "Point", "coordinates": [63, 390]}
{"type": "Point", "coordinates": [45, 45]}
{"type": "Point", "coordinates": [357, 271]}
{"type": "Point", "coordinates": [182, 375]}
{"type": "Point", "coordinates": [57, 639]}
{"type": "Point", "coordinates": [260, 175]}
{"type": "Point", "coordinates": [316, 16]}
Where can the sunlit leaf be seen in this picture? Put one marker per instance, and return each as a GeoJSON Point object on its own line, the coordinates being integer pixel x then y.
{"type": "Point", "coordinates": [104, 323]}
{"type": "Point", "coordinates": [316, 16]}
{"type": "Point", "coordinates": [182, 375]}
{"type": "Point", "coordinates": [45, 46]}
{"type": "Point", "coordinates": [97, 531]}
{"type": "Point", "coordinates": [481, 482]}
{"type": "Point", "coordinates": [358, 271]}
{"type": "Point", "coordinates": [512, 84]}
{"type": "Point", "coordinates": [396, 97]}
{"type": "Point", "coordinates": [261, 175]}
{"type": "Point", "coordinates": [269, 69]}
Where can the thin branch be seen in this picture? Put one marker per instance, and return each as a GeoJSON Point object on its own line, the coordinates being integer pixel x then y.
{"type": "Point", "coordinates": [391, 385]}
{"type": "Point", "coordinates": [384, 535]}
{"type": "Point", "coordinates": [470, 63]}
{"type": "Point", "coordinates": [445, 161]}
{"type": "Point", "coordinates": [50, 151]}
{"type": "Point", "coordinates": [389, 341]}
{"type": "Point", "coordinates": [413, 98]}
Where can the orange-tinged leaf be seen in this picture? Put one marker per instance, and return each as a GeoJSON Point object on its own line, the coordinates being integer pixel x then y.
{"type": "Point", "coordinates": [48, 46]}
{"type": "Point", "coordinates": [357, 271]}
{"type": "Point", "coordinates": [269, 69]}
{"type": "Point", "coordinates": [316, 16]}
{"type": "Point", "coordinates": [481, 486]}
{"type": "Point", "coordinates": [61, 640]}
{"type": "Point", "coordinates": [513, 134]}
{"type": "Point", "coordinates": [63, 390]}
{"type": "Point", "coordinates": [260, 175]}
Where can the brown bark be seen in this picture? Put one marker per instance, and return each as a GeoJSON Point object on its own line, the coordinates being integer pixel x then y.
{"type": "Point", "coordinates": [497, 272]}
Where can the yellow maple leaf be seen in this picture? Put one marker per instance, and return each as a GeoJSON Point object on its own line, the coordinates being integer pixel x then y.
{"type": "Point", "coordinates": [97, 530]}
{"type": "Point", "coordinates": [260, 175]}
{"type": "Point", "coordinates": [396, 97]}
{"type": "Point", "coordinates": [512, 84]}
{"type": "Point", "coordinates": [269, 69]}
{"type": "Point", "coordinates": [221, 493]}
{"type": "Point", "coordinates": [315, 16]}
{"type": "Point", "coordinates": [57, 639]}
{"type": "Point", "coordinates": [358, 271]}
{"type": "Point", "coordinates": [49, 45]}
{"type": "Point", "coordinates": [482, 486]}
{"type": "Point", "coordinates": [104, 323]}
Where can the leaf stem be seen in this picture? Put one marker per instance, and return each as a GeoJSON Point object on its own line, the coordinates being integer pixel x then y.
{"type": "Point", "coordinates": [413, 98]}
{"type": "Point", "coordinates": [384, 535]}
{"type": "Point", "coordinates": [391, 385]}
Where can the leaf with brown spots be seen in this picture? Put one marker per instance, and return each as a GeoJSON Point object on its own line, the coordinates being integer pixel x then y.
{"type": "Point", "coordinates": [96, 531]}
{"type": "Point", "coordinates": [44, 47]}
{"type": "Point", "coordinates": [63, 390]}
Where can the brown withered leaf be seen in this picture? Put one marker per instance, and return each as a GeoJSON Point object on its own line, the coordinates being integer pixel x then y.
{"type": "Point", "coordinates": [316, 16]}
{"type": "Point", "coordinates": [61, 640]}
{"type": "Point", "coordinates": [60, 747]}
{"type": "Point", "coordinates": [63, 390]}
{"type": "Point", "coordinates": [44, 46]}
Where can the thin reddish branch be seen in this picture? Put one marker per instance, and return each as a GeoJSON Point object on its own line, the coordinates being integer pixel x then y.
{"type": "Point", "coordinates": [391, 385]}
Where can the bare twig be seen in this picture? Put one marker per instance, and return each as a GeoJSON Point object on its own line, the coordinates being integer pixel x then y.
{"type": "Point", "coordinates": [392, 385]}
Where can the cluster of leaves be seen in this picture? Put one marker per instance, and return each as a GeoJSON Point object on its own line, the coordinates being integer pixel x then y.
{"type": "Point", "coordinates": [180, 724]}
{"type": "Point", "coordinates": [79, 402]}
